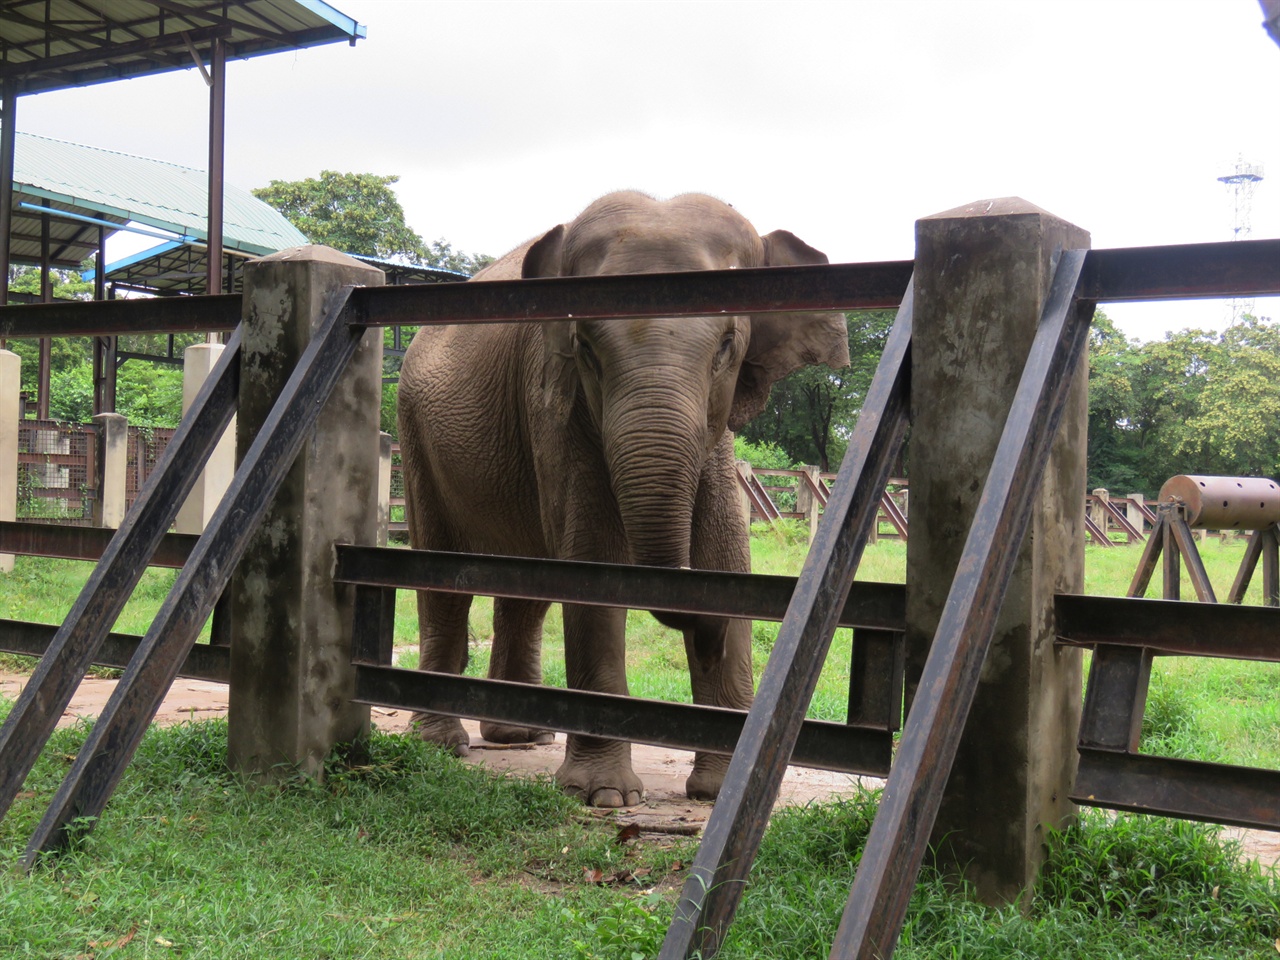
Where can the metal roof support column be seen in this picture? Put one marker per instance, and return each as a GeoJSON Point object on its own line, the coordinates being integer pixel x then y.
{"type": "Point", "coordinates": [46, 345]}
{"type": "Point", "coordinates": [8, 135]}
{"type": "Point", "coordinates": [217, 130]}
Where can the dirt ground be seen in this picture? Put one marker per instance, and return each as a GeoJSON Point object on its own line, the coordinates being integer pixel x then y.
{"type": "Point", "coordinates": [665, 808]}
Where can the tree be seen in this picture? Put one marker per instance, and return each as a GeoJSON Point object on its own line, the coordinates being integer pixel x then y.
{"type": "Point", "coordinates": [1195, 402]}
{"type": "Point", "coordinates": [1235, 428]}
{"type": "Point", "coordinates": [64, 352]}
{"type": "Point", "coordinates": [359, 213]}
{"type": "Point", "coordinates": [811, 413]}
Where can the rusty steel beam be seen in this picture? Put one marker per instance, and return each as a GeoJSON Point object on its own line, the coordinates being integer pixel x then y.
{"type": "Point", "coordinates": [109, 318]}
{"type": "Point", "coordinates": [1186, 271]}
{"type": "Point", "coordinates": [1191, 271]}
{"type": "Point", "coordinates": [83, 543]}
{"type": "Point", "coordinates": [843, 286]}
{"type": "Point", "coordinates": [896, 845]}
{"type": "Point", "coordinates": [1170, 627]}
{"type": "Point", "coordinates": [111, 744]}
{"type": "Point", "coordinates": [749, 596]}
{"type": "Point", "coordinates": [711, 893]}
{"type": "Point", "coordinates": [683, 726]}
{"type": "Point", "coordinates": [204, 662]}
{"type": "Point", "coordinates": [36, 711]}
{"type": "Point", "coordinates": [1187, 789]}
{"type": "Point", "coordinates": [1115, 698]}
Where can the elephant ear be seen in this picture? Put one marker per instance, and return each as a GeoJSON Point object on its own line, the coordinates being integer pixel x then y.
{"type": "Point", "coordinates": [559, 371]}
{"type": "Point", "coordinates": [782, 343]}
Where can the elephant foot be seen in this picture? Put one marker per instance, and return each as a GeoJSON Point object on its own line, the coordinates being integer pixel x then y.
{"type": "Point", "coordinates": [707, 777]}
{"type": "Point", "coordinates": [600, 777]}
{"type": "Point", "coordinates": [506, 733]}
{"type": "Point", "coordinates": [445, 731]}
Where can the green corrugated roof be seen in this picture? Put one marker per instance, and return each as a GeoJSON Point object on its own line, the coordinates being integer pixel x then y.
{"type": "Point", "coordinates": [151, 192]}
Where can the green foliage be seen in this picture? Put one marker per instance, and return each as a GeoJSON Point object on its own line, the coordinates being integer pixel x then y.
{"type": "Point", "coordinates": [71, 394]}
{"type": "Point", "coordinates": [359, 213]}
{"type": "Point", "coordinates": [149, 394]}
{"type": "Point", "coordinates": [1194, 402]}
{"type": "Point", "coordinates": [387, 412]}
{"type": "Point", "coordinates": [812, 412]}
{"type": "Point", "coordinates": [630, 929]}
{"type": "Point", "coordinates": [763, 455]}
{"type": "Point", "coordinates": [67, 284]}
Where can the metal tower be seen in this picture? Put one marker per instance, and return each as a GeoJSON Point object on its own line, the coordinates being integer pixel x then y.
{"type": "Point", "coordinates": [1241, 183]}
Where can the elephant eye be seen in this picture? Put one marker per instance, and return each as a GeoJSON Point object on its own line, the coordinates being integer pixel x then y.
{"type": "Point", "coordinates": [726, 348]}
{"type": "Point", "coordinates": [587, 354]}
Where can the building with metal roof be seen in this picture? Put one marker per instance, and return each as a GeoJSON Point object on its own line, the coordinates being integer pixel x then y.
{"type": "Point", "coordinates": [86, 187]}
{"type": "Point", "coordinates": [55, 44]}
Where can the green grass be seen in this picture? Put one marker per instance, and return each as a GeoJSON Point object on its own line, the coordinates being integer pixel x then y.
{"type": "Point", "coordinates": [419, 855]}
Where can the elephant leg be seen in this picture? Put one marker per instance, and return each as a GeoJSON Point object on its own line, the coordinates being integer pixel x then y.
{"type": "Point", "coordinates": [726, 683]}
{"type": "Point", "coordinates": [720, 541]}
{"type": "Point", "coordinates": [595, 769]}
{"type": "Point", "coordinates": [517, 656]}
{"type": "Point", "coordinates": [442, 648]}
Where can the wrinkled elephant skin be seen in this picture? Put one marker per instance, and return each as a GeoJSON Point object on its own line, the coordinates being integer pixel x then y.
{"type": "Point", "coordinates": [605, 441]}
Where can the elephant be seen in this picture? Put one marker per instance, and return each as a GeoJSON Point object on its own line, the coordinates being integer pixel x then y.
{"type": "Point", "coordinates": [599, 440]}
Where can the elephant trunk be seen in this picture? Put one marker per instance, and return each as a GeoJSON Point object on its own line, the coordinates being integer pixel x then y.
{"type": "Point", "coordinates": [654, 451]}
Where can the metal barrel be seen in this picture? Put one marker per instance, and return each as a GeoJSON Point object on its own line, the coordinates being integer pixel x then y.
{"type": "Point", "coordinates": [1225, 503]}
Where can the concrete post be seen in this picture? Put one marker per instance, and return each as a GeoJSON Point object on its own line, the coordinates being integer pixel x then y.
{"type": "Point", "coordinates": [982, 274]}
{"type": "Point", "coordinates": [1133, 511]}
{"type": "Point", "coordinates": [746, 473]}
{"type": "Point", "coordinates": [384, 488]}
{"type": "Point", "coordinates": [806, 501]}
{"type": "Point", "coordinates": [10, 414]}
{"type": "Point", "coordinates": [113, 466]}
{"type": "Point", "coordinates": [1097, 512]}
{"type": "Point", "coordinates": [291, 674]}
{"type": "Point", "coordinates": [198, 362]}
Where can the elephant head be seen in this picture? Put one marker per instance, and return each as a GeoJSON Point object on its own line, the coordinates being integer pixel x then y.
{"type": "Point", "coordinates": [661, 392]}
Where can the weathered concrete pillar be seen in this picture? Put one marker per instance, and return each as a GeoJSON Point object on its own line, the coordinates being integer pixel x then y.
{"type": "Point", "coordinates": [1097, 512]}
{"type": "Point", "coordinates": [1133, 510]}
{"type": "Point", "coordinates": [291, 675]}
{"type": "Point", "coordinates": [113, 466]}
{"type": "Point", "coordinates": [745, 473]}
{"type": "Point", "coordinates": [384, 488]}
{"type": "Point", "coordinates": [198, 361]}
{"type": "Point", "coordinates": [806, 501]}
{"type": "Point", "coordinates": [10, 414]}
{"type": "Point", "coordinates": [982, 275]}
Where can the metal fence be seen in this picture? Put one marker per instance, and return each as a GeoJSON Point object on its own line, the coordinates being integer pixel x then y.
{"type": "Point", "coordinates": [57, 471]}
{"type": "Point", "coordinates": [59, 476]}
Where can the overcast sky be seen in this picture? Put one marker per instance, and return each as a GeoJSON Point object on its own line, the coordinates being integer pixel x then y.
{"type": "Point", "coordinates": [843, 122]}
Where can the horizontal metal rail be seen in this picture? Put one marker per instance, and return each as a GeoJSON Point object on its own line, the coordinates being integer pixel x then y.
{"type": "Point", "coordinates": [683, 726]}
{"type": "Point", "coordinates": [1170, 627]}
{"type": "Point", "coordinates": [847, 286]}
{"type": "Point", "coordinates": [749, 596]}
{"type": "Point", "coordinates": [203, 662]}
{"type": "Point", "coordinates": [1188, 789]}
{"type": "Point", "coordinates": [1191, 271]}
{"type": "Point", "coordinates": [1245, 268]}
{"type": "Point", "coordinates": [83, 543]}
{"type": "Point", "coordinates": [109, 318]}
